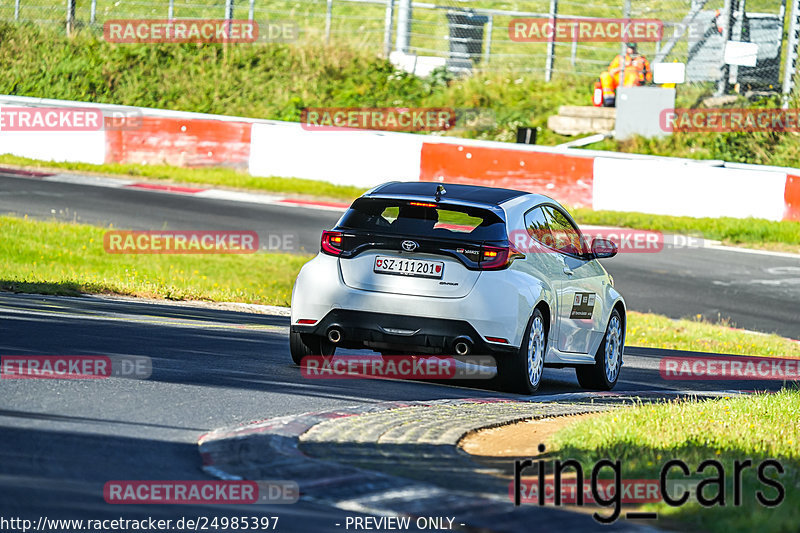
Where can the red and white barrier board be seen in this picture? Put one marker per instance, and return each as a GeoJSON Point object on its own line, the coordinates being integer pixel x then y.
{"type": "Point", "coordinates": [72, 146]}
{"type": "Point", "coordinates": [357, 157]}
{"type": "Point", "coordinates": [687, 188]}
{"type": "Point", "coordinates": [563, 176]}
{"type": "Point", "coordinates": [362, 158]}
{"type": "Point", "coordinates": [182, 142]}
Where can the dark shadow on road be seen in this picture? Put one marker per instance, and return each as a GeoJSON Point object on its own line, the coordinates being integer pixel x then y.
{"type": "Point", "coordinates": [61, 475]}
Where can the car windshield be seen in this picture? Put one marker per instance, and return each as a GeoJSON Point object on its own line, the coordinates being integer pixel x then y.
{"type": "Point", "coordinates": [423, 219]}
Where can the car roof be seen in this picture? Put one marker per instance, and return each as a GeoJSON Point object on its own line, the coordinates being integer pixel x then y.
{"type": "Point", "coordinates": [473, 194]}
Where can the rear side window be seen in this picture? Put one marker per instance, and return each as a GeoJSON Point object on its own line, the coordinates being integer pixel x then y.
{"type": "Point", "coordinates": [423, 219]}
{"type": "Point", "coordinates": [551, 227]}
{"type": "Point", "coordinates": [536, 225]}
{"type": "Point", "coordinates": [566, 237]}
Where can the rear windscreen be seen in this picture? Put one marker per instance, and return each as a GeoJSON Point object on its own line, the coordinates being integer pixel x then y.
{"type": "Point", "coordinates": [423, 219]}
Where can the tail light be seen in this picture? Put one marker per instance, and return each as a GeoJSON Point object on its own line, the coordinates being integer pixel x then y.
{"type": "Point", "coordinates": [498, 257]}
{"type": "Point", "coordinates": [331, 243]}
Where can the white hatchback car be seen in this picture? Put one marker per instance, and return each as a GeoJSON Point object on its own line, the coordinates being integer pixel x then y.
{"type": "Point", "coordinates": [429, 268]}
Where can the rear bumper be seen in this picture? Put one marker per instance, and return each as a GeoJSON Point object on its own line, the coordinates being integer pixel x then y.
{"type": "Point", "coordinates": [417, 334]}
{"type": "Point", "coordinates": [499, 305]}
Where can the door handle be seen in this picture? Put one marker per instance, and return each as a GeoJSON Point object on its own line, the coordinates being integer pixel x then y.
{"type": "Point", "coordinates": [568, 271]}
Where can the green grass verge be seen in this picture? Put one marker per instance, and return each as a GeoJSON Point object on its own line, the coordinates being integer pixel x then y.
{"type": "Point", "coordinates": [644, 437]}
{"type": "Point", "coordinates": [759, 148]}
{"type": "Point", "coordinates": [695, 334]}
{"type": "Point", "coordinates": [756, 232]}
{"type": "Point", "coordinates": [59, 258]}
{"type": "Point", "coordinates": [69, 259]}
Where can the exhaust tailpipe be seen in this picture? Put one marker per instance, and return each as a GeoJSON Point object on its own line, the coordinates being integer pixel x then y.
{"type": "Point", "coordinates": [462, 346]}
{"type": "Point", "coordinates": [334, 335]}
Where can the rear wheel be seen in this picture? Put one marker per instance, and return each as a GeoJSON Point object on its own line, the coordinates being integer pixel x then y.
{"type": "Point", "coordinates": [604, 373]}
{"type": "Point", "coordinates": [522, 371]}
{"type": "Point", "coordinates": [304, 344]}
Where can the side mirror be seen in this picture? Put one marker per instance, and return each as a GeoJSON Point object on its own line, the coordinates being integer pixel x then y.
{"type": "Point", "coordinates": [603, 248]}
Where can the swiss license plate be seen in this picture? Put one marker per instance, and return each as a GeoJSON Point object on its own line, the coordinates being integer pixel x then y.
{"type": "Point", "coordinates": [409, 267]}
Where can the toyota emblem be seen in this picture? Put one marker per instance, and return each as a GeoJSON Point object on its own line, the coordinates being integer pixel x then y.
{"type": "Point", "coordinates": [409, 246]}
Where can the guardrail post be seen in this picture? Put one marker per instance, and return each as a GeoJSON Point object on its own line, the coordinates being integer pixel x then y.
{"type": "Point", "coordinates": [722, 84]}
{"type": "Point", "coordinates": [229, 13]}
{"type": "Point", "coordinates": [790, 67]}
{"type": "Point", "coordinates": [573, 53]}
{"type": "Point", "coordinates": [551, 44]}
{"type": "Point", "coordinates": [387, 28]}
{"type": "Point", "coordinates": [626, 14]}
{"type": "Point", "coordinates": [70, 16]}
{"type": "Point", "coordinates": [328, 17]}
{"type": "Point", "coordinates": [736, 35]}
{"type": "Point", "coordinates": [403, 26]}
{"type": "Point", "coordinates": [488, 50]}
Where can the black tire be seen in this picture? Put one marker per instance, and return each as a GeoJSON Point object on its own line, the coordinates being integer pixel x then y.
{"type": "Point", "coordinates": [513, 370]}
{"type": "Point", "coordinates": [604, 373]}
{"type": "Point", "coordinates": [304, 344]}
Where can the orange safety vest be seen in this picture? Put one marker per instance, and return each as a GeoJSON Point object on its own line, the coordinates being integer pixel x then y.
{"type": "Point", "coordinates": [639, 63]}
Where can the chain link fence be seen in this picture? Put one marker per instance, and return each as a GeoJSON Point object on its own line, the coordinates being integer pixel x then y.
{"type": "Point", "coordinates": [475, 34]}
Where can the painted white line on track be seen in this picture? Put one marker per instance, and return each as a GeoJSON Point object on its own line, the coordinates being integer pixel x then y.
{"type": "Point", "coordinates": [645, 384]}
{"type": "Point", "coordinates": [235, 196]}
{"type": "Point", "coordinates": [94, 181]}
{"type": "Point", "coordinates": [311, 205]}
{"type": "Point", "coordinates": [14, 312]}
{"type": "Point", "coordinates": [723, 248]}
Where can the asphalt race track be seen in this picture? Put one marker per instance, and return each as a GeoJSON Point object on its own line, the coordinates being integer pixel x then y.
{"type": "Point", "coordinates": [61, 440]}
{"type": "Point", "coordinates": [755, 291]}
